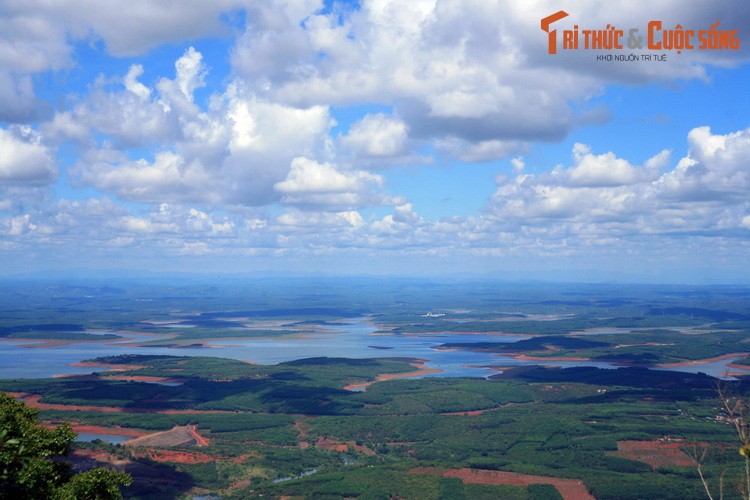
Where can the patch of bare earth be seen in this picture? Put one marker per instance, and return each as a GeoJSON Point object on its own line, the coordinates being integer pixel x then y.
{"type": "Point", "coordinates": [32, 400]}
{"type": "Point", "coordinates": [108, 366]}
{"type": "Point", "coordinates": [421, 370]}
{"type": "Point", "coordinates": [703, 361]}
{"type": "Point", "coordinates": [326, 443]}
{"type": "Point", "coordinates": [570, 489]}
{"type": "Point", "coordinates": [180, 435]}
{"type": "Point", "coordinates": [654, 453]}
{"type": "Point", "coordinates": [180, 457]}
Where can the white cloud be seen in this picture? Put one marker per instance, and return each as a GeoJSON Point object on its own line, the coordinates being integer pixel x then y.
{"type": "Point", "coordinates": [478, 151]}
{"type": "Point", "coordinates": [309, 176]}
{"type": "Point", "coordinates": [18, 225]}
{"type": "Point", "coordinates": [604, 196]}
{"type": "Point", "coordinates": [310, 182]}
{"type": "Point", "coordinates": [18, 102]}
{"type": "Point", "coordinates": [133, 85]}
{"type": "Point", "coordinates": [518, 164]}
{"type": "Point", "coordinates": [314, 222]}
{"type": "Point", "coordinates": [608, 170]}
{"type": "Point", "coordinates": [464, 79]}
{"type": "Point", "coordinates": [38, 36]}
{"type": "Point", "coordinates": [199, 221]}
{"type": "Point", "coordinates": [31, 41]}
{"type": "Point", "coordinates": [468, 70]}
{"type": "Point", "coordinates": [24, 159]}
{"type": "Point", "coordinates": [127, 27]}
{"type": "Point", "coordinates": [128, 115]}
{"type": "Point", "coordinates": [130, 224]}
{"type": "Point", "coordinates": [190, 72]}
{"type": "Point", "coordinates": [715, 168]}
{"type": "Point", "coordinates": [234, 151]}
{"type": "Point", "coordinates": [376, 135]}
{"type": "Point", "coordinates": [168, 177]}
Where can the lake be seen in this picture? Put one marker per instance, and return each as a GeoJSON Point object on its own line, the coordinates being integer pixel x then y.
{"type": "Point", "coordinates": [355, 339]}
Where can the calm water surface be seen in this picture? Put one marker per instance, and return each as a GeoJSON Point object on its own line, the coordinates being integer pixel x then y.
{"type": "Point", "coordinates": [353, 340]}
{"type": "Point", "coordinates": [107, 438]}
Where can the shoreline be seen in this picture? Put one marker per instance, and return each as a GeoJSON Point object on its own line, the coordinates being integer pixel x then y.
{"type": "Point", "coordinates": [703, 361]}
{"type": "Point", "coordinates": [526, 357]}
{"type": "Point", "coordinates": [421, 370]}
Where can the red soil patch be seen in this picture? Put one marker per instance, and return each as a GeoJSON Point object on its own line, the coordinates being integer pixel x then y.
{"type": "Point", "coordinates": [326, 443]}
{"type": "Point", "coordinates": [32, 400]}
{"type": "Point", "coordinates": [421, 370]}
{"type": "Point", "coordinates": [99, 456]}
{"type": "Point", "coordinates": [180, 457]}
{"type": "Point", "coordinates": [202, 440]}
{"type": "Point", "coordinates": [108, 366]}
{"type": "Point", "coordinates": [570, 489]}
{"type": "Point", "coordinates": [654, 453]}
{"type": "Point", "coordinates": [242, 484]}
{"type": "Point", "coordinates": [702, 361]}
{"type": "Point", "coordinates": [303, 430]}
{"type": "Point", "coordinates": [127, 378]}
{"type": "Point", "coordinates": [245, 457]}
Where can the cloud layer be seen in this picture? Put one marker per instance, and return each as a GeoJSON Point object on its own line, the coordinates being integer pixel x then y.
{"type": "Point", "coordinates": [292, 140]}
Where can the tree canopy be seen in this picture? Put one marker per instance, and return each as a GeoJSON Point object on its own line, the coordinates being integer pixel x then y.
{"type": "Point", "coordinates": [30, 464]}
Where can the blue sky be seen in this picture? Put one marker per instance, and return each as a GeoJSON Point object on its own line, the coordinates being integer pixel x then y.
{"type": "Point", "coordinates": [379, 137]}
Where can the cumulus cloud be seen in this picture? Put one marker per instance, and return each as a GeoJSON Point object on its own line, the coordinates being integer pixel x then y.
{"type": "Point", "coordinates": [30, 40]}
{"type": "Point", "coordinates": [705, 193]}
{"type": "Point", "coordinates": [651, 210]}
{"type": "Point", "coordinates": [608, 170]}
{"type": "Point", "coordinates": [478, 151]}
{"type": "Point", "coordinates": [133, 85]}
{"type": "Point", "coordinates": [458, 70]}
{"type": "Point", "coordinates": [310, 182]}
{"type": "Point", "coordinates": [170, 220]}
{"type": "Point", "coordinates": [126, 27]}
{"type": "Point", "coordinates": [24, 159]}
{"type": "Point", "coordinates": [464, 79]}
{"type": "Point", "coordinates": [168, 177]}
{"type": "Point", "coordinates": [38, 36]}
{"type": "Point", "coordinates": [376, 135]}
{"type": "Point", "coordinates": [190, 72]}
{"type": "Point", "coordinates": [18, 102]}
{"type": "Point", "coordinates": [715, 168]}
{"type": "Point", "coordinates": [234, 151]}
{"type": "Point", "coordinates": [463, 68]}
{"type": "Point", "coordinates": [306, 221]}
